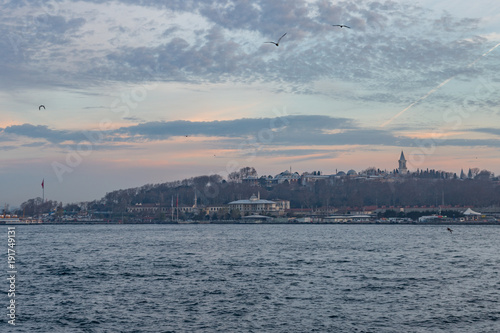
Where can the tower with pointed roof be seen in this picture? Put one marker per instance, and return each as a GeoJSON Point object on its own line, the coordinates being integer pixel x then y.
{"type": "Point", "coordinates": [402, 164]}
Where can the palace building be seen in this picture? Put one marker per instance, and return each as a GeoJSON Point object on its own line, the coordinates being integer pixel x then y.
{"type": "Point", "coordinates": [256, 205]}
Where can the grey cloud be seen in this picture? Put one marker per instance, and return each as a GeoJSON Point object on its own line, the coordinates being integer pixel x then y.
{"type": "Point", "coordinates": [37, 132]}
{"type": "Point", "coordinates": [293, 152]}
{"type": "Point", "coordinates": [357, 136]}
{"type": "Point", "coordinates": [52, 136]}
{"type": "Point", "coordinates": [468, 142]}
{"type": "Point", "coordinates": [174, 5]}
{"type": "Point", "coordinates": [7, 148]}
{"type": "Point", "coordinates": [392, 45]}
{"type": "Point", "coordinates": [30, 46]}
{"type": "Point", "coordinates": [282, 131]}
{"type": "Point", "coordinates": [246, 134]}
{"type": "Point", "coordinates": [238, 128]}
{"type": "Point", "coordinates": [90, 146]}
{"type": "Point", "coordinates": [134, 119]}
{"type": "Point", "coordinates": [299, 154]}
{"type": "Point", "coordinates": [35, 144]}
{"type": "Point", "coordinates": [95, 107]}
{"type": "Point", "coordinates": [58, 24]}
{"type": "Point", "coordinates": [325, 156]}
{"type": "Point", "coordinates": [494, 131]}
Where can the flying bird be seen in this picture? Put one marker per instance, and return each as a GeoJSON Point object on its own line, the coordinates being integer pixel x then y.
{"type": "Point", "coordinates": [341, 26]}
{"type": "Point", "coordinates": [451, 231]}
{"type": "Point", "coordinates": [41, 106]}
{"type": "Point", "coordinates": [278, 42]}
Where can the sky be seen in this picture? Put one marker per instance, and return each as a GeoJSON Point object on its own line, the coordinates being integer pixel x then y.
{"type": "Point", "coordinates": [146, 92]}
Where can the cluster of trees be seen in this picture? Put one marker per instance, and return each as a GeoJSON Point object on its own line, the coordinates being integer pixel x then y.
{"type": "Point", "coordinates": [213, 190]}
{"type": "Point", "coordinates": [38, 206]}
{"type": "Point", "coordinates": [473, 173]}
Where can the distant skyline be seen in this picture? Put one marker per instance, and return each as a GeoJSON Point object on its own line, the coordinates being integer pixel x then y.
{"type": "Point", "coordinates": [162, 91]}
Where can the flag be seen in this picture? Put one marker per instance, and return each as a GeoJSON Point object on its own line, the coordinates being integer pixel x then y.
{"type": "Point", "coordinates": [43, 180]}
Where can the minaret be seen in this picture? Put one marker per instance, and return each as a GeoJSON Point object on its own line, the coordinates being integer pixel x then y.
{"type": "Point", "coordinates": [402, 164]}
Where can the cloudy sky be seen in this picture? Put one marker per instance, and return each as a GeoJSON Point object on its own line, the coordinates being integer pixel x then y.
{"type": "Point", "coordinates": [149, 91]}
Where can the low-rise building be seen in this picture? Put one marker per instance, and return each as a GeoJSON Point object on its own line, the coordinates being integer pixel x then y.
{"type": "Point", "coordinates": [150, 208]}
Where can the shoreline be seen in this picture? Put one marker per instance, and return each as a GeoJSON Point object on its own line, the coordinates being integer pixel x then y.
{"type": "Point", "coordinates": [254, 223]}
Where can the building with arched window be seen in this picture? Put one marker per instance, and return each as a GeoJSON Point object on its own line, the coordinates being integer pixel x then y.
{"type": "Point", "coordinates": [256, 205]}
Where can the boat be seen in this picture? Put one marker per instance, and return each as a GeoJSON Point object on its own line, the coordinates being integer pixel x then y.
{"type": "Point", "coordinates": [14, 219]}
{"type": "Point", "coordinates": [9, 219]}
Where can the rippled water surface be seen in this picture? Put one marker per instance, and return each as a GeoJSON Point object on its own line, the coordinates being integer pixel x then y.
{"type": "Point", "coordinates": [255, 278]}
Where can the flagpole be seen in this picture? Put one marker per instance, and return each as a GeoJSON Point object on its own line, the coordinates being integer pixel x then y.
{"type": "Point", "coordinates": [43, 198]}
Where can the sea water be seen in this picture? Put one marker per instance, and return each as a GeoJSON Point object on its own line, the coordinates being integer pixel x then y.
{"type": "Point", "coordinates": [254, 278]}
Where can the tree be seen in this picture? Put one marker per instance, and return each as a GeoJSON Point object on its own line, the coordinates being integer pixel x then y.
{"type": "Point", "coordinates": [161, 216]}
{"type": "Point", "coordinates": [235, 214]}
{"type": "Point", "coordinates": [200, 215]}
{"type": "Point", "coordinates": [474, 172]}
{"type": "Point", "coordinates": [483, 175]}
{"type": "Point", "coordinates": [223, 214]}
{"type": "Point", "coordinates": [370, 171]}
{"type": "Point", "coordinates": [245, 172]}
{"type": "Point", "coordinates": [72, 208]}
{"type": "Point", "coordinates": [37, 206]}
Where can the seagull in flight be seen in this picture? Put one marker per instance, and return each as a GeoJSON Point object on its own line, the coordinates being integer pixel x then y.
{"type": "Point", "coordinates": [450, 230]}
{"type": "Point", "coordinates": [278, 42]}
{"type": "Point", "coordinates": [341, 26]}
{"type": "Point", "coordinates": [41, 106]}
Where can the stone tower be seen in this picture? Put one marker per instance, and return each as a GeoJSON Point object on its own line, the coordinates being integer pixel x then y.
{"type": "Point", "coordinates": [402, 164]}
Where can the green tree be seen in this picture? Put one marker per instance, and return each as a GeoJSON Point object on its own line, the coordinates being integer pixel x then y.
{"type": "Point", "coordinates": [235, 214]}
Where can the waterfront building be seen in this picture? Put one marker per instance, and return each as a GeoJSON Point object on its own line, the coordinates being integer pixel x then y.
{"type": "Point", "coordinates": [210, 210]}
{"type": "Point", "coordinates": [345, 218]}
{"type": "Point", "coordinates": [149, 208]}
{"type": "Point", "coordinates": [282, 205]}
{"type": "Point", "coordinates": [471, 215]}
{"type": "Point", "coordinates": [256, 205]}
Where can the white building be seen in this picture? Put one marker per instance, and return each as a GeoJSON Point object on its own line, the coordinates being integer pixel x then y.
{"type": "Point", "coordinates": [149, 208]}
{"type": "Point", "coordinates": [256, 205]}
